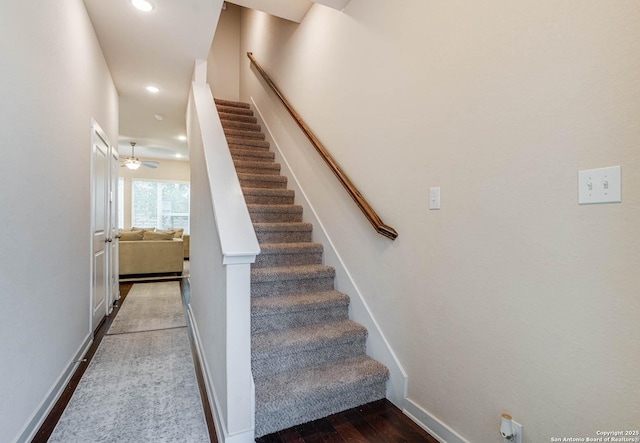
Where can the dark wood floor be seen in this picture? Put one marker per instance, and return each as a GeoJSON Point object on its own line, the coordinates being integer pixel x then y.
{"type": "Point", "coordinates": [378, 422]}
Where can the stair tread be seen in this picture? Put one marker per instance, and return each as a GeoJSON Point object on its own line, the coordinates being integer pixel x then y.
{"type": "Point", "coordinates": [268, 191]}
{"type": "Point", "coordinates": [281, 273]}
{"type": "Point", "coordinates": [254, 207]}
{"type": "Point", "coordinates": [283, 227]}
{"type": "Point", "coordinates": [290, 248]}
{"type": "Point", "coordinates": [243, 135]}
{"type": "Point", "coordinates": [248, 127]}
{"type": "Point", "coordinates": [234, 110]}
{"type": "Point", "coordinates": [297, 302]}
{"type": "Point", "coordinates": [262, 177]}
{"type": "Point", "coordinates": [295, 340]}
{"type": "Point", "coordinates": [291, 386]}
{"type": "Point", "coordinates": [257, 153]}
{"type": "Point", "coordinates": [258, 165]}
{"type": "Point", "coordinates": [227, 116]}
{"type": "Point", "coordinates": [223, 102]}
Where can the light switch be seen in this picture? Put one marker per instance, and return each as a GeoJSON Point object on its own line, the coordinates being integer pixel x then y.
{"type": "Point", "coordinates": [434, 198]}
{"type": "Point", "coordinates": [602, 185]}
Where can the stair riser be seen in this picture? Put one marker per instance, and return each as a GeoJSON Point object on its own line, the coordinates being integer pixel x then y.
{"type": "Point", "coordinates": [283, 236]}
{"type": "Point", "coordinates": [224, 117]}
{"type": "Point", "coordinates": [239, 125]}
{"type": "Point", "coordinates": [251, 146]}
{"type": "Point", "coordinates": [271, 260]}
{"type": "Point", "coordinates": [234, 110]}
{"type": "Point", "coordinates": [268, 323]}
{"type": "Point", "coordinates": [265, 184]}
{"type": "Point", "coordinates": [324, 404]}
{"type": "Point", "coordinates": [248, 155]}
{"type": "Point", "coordinates": [239, 134]}
{"type": "Point", "coordinates": [302, 358]}
{"type": "Point", "coordinates": [265, 289]}
{"type": "Point", "coordinates": [254, 170]}
{"type": "Point", "coordinates": [275, 217]}
{"type": "Point", "coordinates": [268, 199]}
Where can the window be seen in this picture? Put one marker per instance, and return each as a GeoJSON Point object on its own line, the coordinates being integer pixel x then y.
{"type": "Point", "coordinates": [163, 205]}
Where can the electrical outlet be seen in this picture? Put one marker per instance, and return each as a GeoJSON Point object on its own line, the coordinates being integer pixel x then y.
{"type": "Point", "coordinates": [518, 428]}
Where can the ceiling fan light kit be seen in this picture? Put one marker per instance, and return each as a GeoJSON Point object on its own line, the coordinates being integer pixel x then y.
{"type": "Point", "coordinates": [134, 162]}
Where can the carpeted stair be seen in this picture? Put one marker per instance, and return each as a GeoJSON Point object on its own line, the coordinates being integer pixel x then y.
{"type": "Point", "coordinates": [308, 358]}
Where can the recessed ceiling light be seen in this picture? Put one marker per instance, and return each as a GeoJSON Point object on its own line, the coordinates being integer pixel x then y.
{"type": "Point", "coordinates": [152, 89]}
{"type": "Point", "coordinates": [159, 117]}
{"type": "Point", "coordinates": [182, 138]}
{"type": "Point", "coordinates": [178, 155]}
{"type": "Point", "coordinates": [143, 5]}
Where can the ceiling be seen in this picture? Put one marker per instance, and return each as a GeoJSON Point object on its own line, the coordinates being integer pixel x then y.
{"type": "Point", "coordinates": [156, 48]}
{"type": "Point", "coordinates": [159, 48]}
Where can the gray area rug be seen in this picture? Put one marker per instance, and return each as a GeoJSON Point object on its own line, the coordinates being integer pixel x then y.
{"type": "Point", "coordinates": [139, 387]}
{"type": "Point", "coordinates": [150, 306]}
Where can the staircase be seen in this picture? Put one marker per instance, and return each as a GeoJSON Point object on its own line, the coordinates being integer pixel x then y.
{"type": "Point", "coordinates": [308, 359]}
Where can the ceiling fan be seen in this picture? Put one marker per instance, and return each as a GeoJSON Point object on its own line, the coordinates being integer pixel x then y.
{"type": "Point", "coordinates": [134, 162]}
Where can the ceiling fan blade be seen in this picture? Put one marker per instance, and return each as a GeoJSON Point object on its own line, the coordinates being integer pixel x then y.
{"type": "Point", "coordinates": [151, 162]}
{"type": "Point", "coordinates": [149, 166]}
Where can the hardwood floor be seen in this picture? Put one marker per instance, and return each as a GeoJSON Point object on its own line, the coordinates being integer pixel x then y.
{"type": "Point", "coordinates": [378, 422]}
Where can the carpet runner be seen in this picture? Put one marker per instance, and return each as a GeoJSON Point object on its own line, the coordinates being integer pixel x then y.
{"type": "Point", "coordinates": [308, 358]}
{"type": "Point", "coordinates": [141, 384]}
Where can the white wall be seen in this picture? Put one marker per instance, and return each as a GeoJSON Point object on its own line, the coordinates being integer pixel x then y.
{"type": "Point", "coordinates": [166, 170]}
{"type": "Point", "coordinates": [512, 297]}
{"type": "Point", "coordinates": [54, 80]}
{"type": "Point", "coordinates": [223, 64]}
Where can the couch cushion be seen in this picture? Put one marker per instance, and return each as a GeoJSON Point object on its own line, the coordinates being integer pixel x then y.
{"type": "Point", "coordinates": [143, 229]}
{"type": "Point", "coordinates": [131, 235]}
{"type": "Point", "coordinates": [149, 235]}
{"type": "Point", "coordinates": [178, 233]}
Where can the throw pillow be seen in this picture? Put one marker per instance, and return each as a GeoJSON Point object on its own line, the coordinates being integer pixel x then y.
{"type": "Point", "coordinates": [131, 235]}
{"type": "Point", "coordinates": [143, 229]}
{"type": "Point", "coordinates": [149, 235]}
{"type": "Point", "coordinates": [178, 233]}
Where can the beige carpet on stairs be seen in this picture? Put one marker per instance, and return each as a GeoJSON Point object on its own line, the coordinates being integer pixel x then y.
{"type": "Point", "coordinates": [308, 357]}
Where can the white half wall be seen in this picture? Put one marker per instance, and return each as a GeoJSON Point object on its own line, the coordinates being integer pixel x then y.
{"type": "Point", "coordinates": [223, 246]}
{"type": "Point", "coordinates": [54, 81]}
{"type": "Point", "coordinates": [512, 297]}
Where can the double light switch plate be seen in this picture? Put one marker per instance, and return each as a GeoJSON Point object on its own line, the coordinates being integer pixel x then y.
{"type": "Point", "coordinates": [601, 185]}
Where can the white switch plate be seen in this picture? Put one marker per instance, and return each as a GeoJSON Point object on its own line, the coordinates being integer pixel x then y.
{"type": "Point", "coordinates": [434, 198]}
{"type": "Point", "coordinates": [602, 185]}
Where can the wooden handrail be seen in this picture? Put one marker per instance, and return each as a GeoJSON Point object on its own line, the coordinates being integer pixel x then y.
{"type": "Point", "coordinates": [364, 206]}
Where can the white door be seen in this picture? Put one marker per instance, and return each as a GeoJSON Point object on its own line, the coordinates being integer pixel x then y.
{"type": "Point", "coordinates": [100, 224]}
{"type": "Point", "coordinates": [113, 291]}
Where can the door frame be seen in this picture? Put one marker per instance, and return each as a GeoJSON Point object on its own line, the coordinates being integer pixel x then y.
{"type": "Point", "coordinates": [96, 131]}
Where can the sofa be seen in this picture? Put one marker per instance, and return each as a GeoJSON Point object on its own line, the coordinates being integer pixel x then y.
{"type": "Point", "coordinates": [150, 252]}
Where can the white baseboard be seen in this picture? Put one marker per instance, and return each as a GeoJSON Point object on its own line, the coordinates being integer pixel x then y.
{"type": "Point", "coordinates": [50, 399]}
{"type": "Point", "coordinates": [221, 431]}
{"type": "Point", "coordinates": [377, 345]}
{"type": "Point", "coordinates": [431, 424]}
